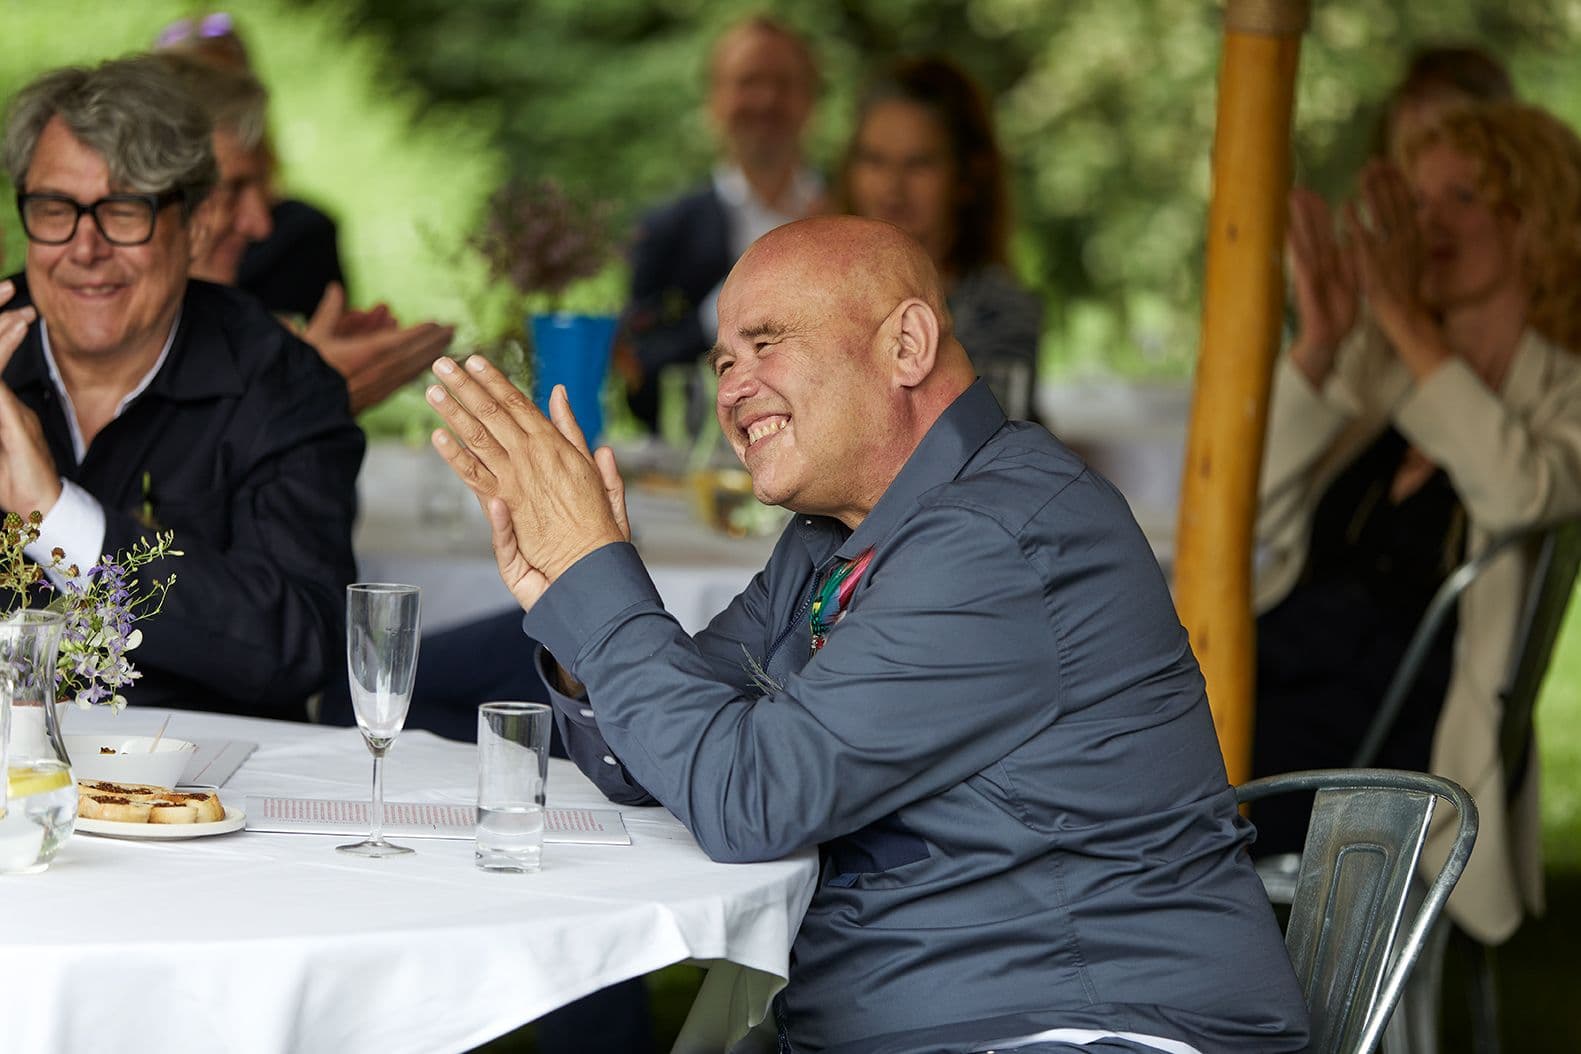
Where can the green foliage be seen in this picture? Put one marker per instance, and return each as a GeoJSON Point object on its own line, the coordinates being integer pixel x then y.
{"type": "Point", "coordinates": [1106, 109]}
{"type": "Point", "coordinates": [1558, 720]}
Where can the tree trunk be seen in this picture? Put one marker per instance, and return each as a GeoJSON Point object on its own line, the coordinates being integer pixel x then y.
{"type": "Point", "coordinates": [1243, 297]}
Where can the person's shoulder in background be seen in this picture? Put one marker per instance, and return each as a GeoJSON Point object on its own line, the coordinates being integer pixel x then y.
{"type": "Point", "coordinates": [700, 204]}
{"type": "Point", "coordinates": [290, 269]}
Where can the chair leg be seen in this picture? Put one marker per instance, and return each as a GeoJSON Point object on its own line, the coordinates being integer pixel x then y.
{"type": "Point", "coordinates": [1484, 996]}
{"type": "Point", "coordinates": [1413, 1028]}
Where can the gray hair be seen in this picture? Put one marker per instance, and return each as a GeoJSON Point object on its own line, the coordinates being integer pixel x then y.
{"type": "Point", "coordinates": [236, 102]}
{"type": "Point", "coordinates": [134, 113]}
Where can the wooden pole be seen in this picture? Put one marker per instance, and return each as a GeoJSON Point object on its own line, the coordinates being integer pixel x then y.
{"type": "Point", "coordinates": [1243, 296]}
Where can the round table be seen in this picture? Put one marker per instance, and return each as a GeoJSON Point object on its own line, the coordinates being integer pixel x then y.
{"type": "Point", "coordinates": [252, 942]}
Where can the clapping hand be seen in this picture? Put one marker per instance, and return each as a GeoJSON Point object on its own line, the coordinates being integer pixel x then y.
{"type": "Point", "coordinates": [29, 480]}
{"type": "Point", "coordinates": [1389, 263]}
{"type": "Point", "coordinates": [549, 500]}
{"type": "Point", "coordinates": [1325, 281]}
{"type": "Point", "coordinates": [370, 349]}
{"type": "Point", "coordinates": [13, 324]}
{"type": "Point", "coordinates": [1389, 253]}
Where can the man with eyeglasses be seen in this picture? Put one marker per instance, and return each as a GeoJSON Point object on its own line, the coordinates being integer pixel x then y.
{"type": "Point", "coordinates": [135, 400]}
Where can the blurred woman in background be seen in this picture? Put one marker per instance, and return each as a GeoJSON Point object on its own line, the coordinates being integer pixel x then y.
{"type": "Point", "coordinates": [925, 158]}
{"type": "Point", "coordinates": [1401, 440]}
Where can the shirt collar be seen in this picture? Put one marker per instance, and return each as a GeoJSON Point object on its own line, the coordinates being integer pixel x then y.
{"type": "Point", "coordinates": [748, 218]}
{"type": "Point", "coordinates": [730, 183]}
{"type": "Point", "coordinates": [202, 363]}
{"type": "Point", "coordinates": [79, 446]}
{"type": "Point", "coordinates": [960, 432]}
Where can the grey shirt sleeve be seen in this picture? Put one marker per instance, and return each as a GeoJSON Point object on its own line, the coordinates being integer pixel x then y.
{"type": "Point", "coordinates": [923, 684]}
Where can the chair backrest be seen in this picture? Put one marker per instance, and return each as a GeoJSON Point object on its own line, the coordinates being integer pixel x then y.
{"type": "Point", "coordinates": [1362, 847]}
{"type": "Point", "coordinates": [1010, 379]}
{"type": "Point", "coordinates": [1536, 631]}
{"type": "Point", "coordinates": [1552, 580]}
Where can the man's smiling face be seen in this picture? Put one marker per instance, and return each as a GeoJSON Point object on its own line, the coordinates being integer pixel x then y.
{"type": "Point", "coordinates": [805, 398]}
{"type": "Point", "coordinates": [101, 299]}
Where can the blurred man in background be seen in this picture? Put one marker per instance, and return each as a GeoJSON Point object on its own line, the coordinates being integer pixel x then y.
{"type": "Point", "coordinates": [368, 348]}
{"type": "Point", "coordinates": [763, 82]}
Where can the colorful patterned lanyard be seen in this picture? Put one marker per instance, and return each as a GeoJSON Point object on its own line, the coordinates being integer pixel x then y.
{"type": "Point", "coordinates": [830, 603]}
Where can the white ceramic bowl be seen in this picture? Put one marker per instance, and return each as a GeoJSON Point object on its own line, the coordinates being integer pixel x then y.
{"type": "Point", "coordinates": [132, 762]}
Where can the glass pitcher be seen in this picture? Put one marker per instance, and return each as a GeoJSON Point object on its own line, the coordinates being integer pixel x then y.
{"type": "Point", "coordinates": [41, 795]}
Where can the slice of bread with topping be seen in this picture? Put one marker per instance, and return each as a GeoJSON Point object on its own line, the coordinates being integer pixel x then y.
{"type": "Point", "coordinates": [142, 803]}
{"type": "Point", "coordinates": [207, 804]}
{"type": "Point", "coordinates": [172, 812]}
{"type": "Point", "coordinates": [109, 807]}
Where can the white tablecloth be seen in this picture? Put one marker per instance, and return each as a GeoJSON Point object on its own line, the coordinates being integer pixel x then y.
{"type": "Point", "coordinates": [418, 524]}
{"type": "Point", "coordinates": [267, 943]}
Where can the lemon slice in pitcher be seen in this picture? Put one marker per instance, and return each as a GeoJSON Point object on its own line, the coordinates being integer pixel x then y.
{"type": "Point", "coordinates": [24, 781]}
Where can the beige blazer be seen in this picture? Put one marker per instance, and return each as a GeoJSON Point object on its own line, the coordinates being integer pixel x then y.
{"type": "Point", "coordinates": [1514, 457]}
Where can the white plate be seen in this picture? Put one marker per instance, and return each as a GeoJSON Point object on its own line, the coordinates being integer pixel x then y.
{"type": "Point", "coordinates": [234, 820]}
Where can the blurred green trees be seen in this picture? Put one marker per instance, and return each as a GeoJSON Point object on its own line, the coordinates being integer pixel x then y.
{"type": "Point", "coordinates": [400, 116]}
{"type": "Point", "coordinates": [1105, 106]}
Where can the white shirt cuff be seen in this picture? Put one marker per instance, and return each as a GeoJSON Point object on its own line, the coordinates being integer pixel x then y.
{"type": "Point", "coordinates": [76, 526]}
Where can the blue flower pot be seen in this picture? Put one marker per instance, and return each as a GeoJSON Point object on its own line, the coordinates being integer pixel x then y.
{"type": "Point", "coordinates": [573, 350]}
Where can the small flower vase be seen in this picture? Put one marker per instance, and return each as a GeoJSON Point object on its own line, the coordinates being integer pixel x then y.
{"type": "Point", "coordinates": [41, 795]}
{"type": "Point", "coordinates": [573, 350]}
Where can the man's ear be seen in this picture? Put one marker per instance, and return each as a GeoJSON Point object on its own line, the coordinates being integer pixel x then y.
{"type": "Point", "coordinates": [200, 231]}
{"type": "Point", "coordinates": [915, 334]}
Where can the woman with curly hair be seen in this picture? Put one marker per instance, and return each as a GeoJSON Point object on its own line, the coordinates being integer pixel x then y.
{"type": "Point", "coordinates": [1402, 438]}
{"type": "Point", "coordinates": [925, 158]}
{"type": "Point", "coordinates": [1436, 79]}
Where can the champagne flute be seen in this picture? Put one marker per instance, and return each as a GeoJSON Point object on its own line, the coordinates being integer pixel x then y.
{"type": "Point", "coordinates": [381, 657]}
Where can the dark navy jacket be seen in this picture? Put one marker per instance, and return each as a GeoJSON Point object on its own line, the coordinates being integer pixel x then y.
{"type": "Point", "coordinates": [1004, 753]}
{"type": "Point", "coordinates": [682, 251]}
{"type": "Point", "coordinates": [244, 447]}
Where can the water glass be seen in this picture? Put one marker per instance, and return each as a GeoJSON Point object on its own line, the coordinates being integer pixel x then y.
{"type": "Point", "coordinates": [513, 763]}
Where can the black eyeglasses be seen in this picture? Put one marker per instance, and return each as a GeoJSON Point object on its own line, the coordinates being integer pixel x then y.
{"type": "Point", "coordinates": [123, 219]}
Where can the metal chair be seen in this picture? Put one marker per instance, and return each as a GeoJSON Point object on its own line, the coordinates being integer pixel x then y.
{"type": "Point", "coordinates": [1552, 580]}
{"type": "Point", "coordinates": [1553, 575]}
{"type": "Point", "coordinates": [1010, 379]}
{"type": "Point", "coordinates": [1350, 891]}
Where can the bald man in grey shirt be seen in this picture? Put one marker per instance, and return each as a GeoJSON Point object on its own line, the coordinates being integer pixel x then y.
{"type": "Point", "coordinates": [960, 676]}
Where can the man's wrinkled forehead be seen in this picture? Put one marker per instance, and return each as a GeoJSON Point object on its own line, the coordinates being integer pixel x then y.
{"type": "Point", "coordinates": [829, 271]}
{"type": "Point", "coordinates": [788, 292]}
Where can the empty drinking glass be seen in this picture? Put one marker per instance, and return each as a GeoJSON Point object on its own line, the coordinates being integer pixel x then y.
{"type": "Point", "coordinates": [381, 657]}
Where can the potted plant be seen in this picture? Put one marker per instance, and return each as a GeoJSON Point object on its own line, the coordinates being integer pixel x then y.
{"type": "Point", "coordinates": [556, 251]}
